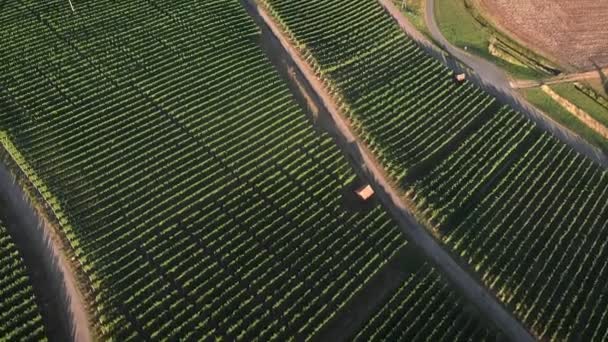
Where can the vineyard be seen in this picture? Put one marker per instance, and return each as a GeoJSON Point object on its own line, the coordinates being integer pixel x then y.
{"type": "Point", "coordinates": [196, 194]}
{"type": "Point", "coordinates": [202, 204]}
{"type": "Point", "coordinates": [20, 318]}
{"type": "Point", "coordinates": [402, 102]}
{"type": "Point", "coordinates": [538, 239]}
{"type": "Point", "coordinates": [526, 212]}
{"type": "Point", "coordinates": [453, 183]}
{"type": "Point", "coordinates": [425, 309]}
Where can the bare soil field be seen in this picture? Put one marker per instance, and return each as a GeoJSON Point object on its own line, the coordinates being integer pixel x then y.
{"type": "Point", "coordinates": [573, 32]}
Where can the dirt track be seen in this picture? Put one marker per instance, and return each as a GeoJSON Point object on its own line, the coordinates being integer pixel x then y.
{"type": "Point", "coordinates": [415, 232]}
{"type": "Point", "coordinates": [493, 80]}
{"type": "Point", "coordinates": [581, 76]}
{"type": "Point", "coordinates": [63, 310]}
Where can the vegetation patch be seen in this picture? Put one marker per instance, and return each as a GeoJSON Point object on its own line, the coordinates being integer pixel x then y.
{"type": "Point", "coordinates": [591, 94]}
{"type": "Point", "coordinates": [194, 191]}
{"type": "Point", "coordinates": [544, 102]}
{"type": "Point", "coordinates": [586, 110]}
{"type": "Point", "coordinates": [414, 11]}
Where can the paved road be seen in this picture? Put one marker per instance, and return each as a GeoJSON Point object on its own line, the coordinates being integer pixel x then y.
{"type": "Point", "coordinates": [491, 74]}
{"type": "Point", "coordinates": [416, 233]}
{"type": "Point", "coordinates": [492, 79]}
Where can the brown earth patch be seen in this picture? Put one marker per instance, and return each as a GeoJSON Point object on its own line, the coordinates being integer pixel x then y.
{"type": "Point", "coordinates": [574, 32]}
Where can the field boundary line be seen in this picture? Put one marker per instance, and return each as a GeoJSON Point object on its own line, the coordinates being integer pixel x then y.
{"type": "Point", "coordinates": [470, 287]}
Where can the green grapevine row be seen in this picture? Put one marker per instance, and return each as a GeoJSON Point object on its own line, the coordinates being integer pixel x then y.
{"type": "Point", "coordinates": [538, 240]}
{"type": "Point", "coordinates": [424, 308]}
{"type": "Point", "coordinates": [526, 212]}
{"type": "Point", "coordinates": [197, 196]}
{"type": "Point", "coordinates": [402, 102]}
{"type": "Point", "coordinates": [20, 318]}
{"type": "Point", "coordinates": [453, 181]}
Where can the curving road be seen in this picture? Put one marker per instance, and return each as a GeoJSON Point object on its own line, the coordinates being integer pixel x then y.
{"type": "Point", "coordinates": [489, 72]}
{"type": "Point", "coordinates": [491, 78]}
{"type": "Point", "coordinates": [485, 301]}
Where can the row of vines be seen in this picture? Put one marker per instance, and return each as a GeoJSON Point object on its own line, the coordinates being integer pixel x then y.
{"type": "Point", "coordinates": [401, 102]}
{"type": "Point", "coordinates": [200, 201]}
{"type": "Point", "coordinates": [197, 196]}
{"type": "Point", "coordinates": [538, 239]}
{"type": "Point", "coordinates": [526, 212]}
{"type": "Point", "coordinates": [20, 318]}
{"type": "Point", "coordinates": [424, 308]}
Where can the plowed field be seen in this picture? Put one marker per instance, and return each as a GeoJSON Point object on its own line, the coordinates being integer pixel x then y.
{"type": "Point", "coordinates": [573, 32]}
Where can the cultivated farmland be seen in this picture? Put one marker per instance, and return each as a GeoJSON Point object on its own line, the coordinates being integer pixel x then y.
{"type": "Point", "coordinates": [20, 318]}
{"type": "Point", "coordinates": [522, 209]}
{"type": "Point", "coordinates": [574, 32]}
{"type": "Point", "coordinates": [199, 202]}
{"type": "Point", "coordinates": [401, 101]}
{"type": "Point", "coordinates": [538, 238]}
{"type": "Point", "coordinates": [200, 199]}
{"type": "Point", "coordinates": [423, 308]}
{"type": "Point", "coordinates": [196, 194]}
{"type": "Point", "coordinates": [457, 179]}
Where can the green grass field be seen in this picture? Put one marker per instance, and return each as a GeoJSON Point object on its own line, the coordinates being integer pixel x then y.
{"type": "Point", "coordinates": [584, 102]}
{"type": "Point", "coordinates": [543, 102]}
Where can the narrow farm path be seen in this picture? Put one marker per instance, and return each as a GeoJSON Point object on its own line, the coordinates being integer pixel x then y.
{"type": "Point", "coordinates": [492, 79]}
{"type": "Point", "coordinates": [581, 76]}
{"type": "Point", "coordinates": [55, 286]}
{"type": "Point", "coordinates": [415, 232]}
